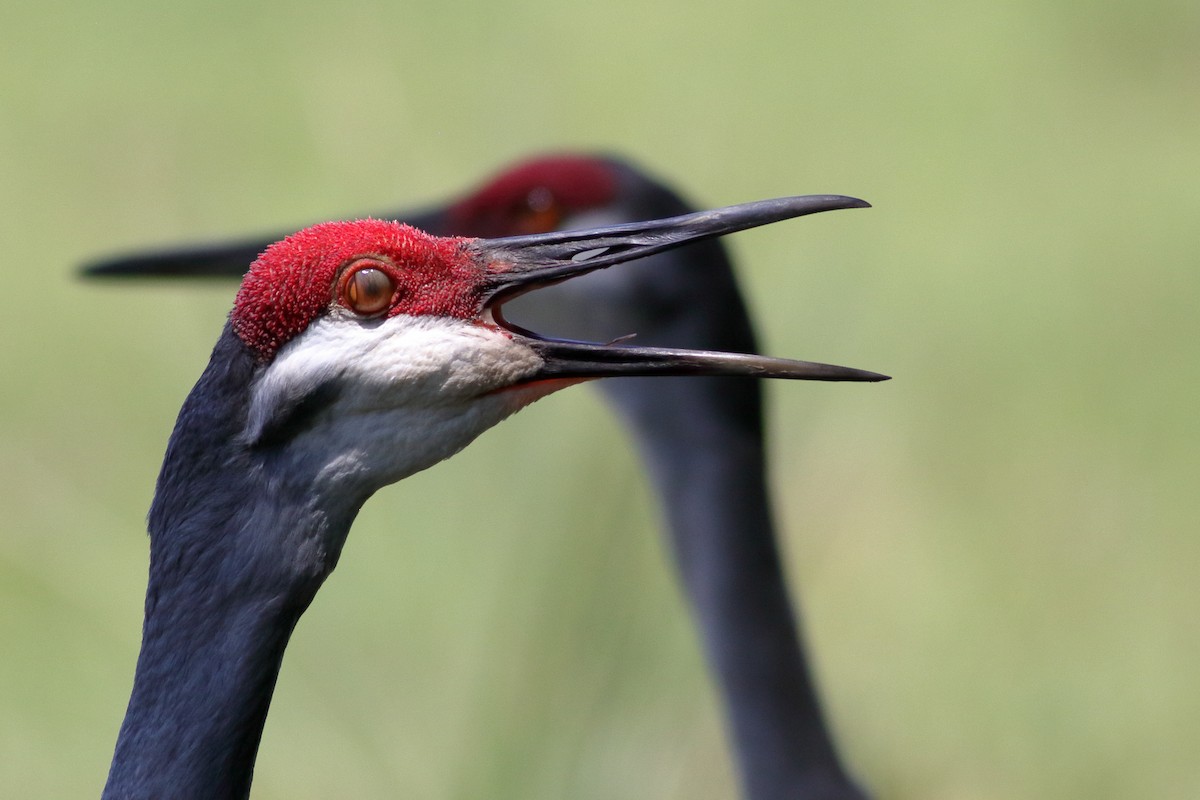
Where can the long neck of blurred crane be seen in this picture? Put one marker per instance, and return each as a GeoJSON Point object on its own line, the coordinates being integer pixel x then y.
{"type": "Point", "coordinates": [220, 606]}
{"type": "Point", "coordinates": [718, 510]}
{"type": "Point", "coordinates": [702, 439]}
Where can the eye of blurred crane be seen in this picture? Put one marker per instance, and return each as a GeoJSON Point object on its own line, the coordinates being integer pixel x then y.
{"type": "Point", "coordinates": [366, 289]}
{"type": "Point", "coordinates": [540, 213]}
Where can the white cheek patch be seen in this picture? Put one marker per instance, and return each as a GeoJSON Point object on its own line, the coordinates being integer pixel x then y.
{"type": "Point", "coordinates": [406, 392]}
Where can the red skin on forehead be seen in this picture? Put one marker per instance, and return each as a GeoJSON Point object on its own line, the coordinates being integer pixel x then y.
{"type": "Point", "coordinates": [295, 280]}
{"type": "Point", "coordinates": [575, 183]}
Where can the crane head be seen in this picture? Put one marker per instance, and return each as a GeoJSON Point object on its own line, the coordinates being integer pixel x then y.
{"type": "Point", "coordinates": [535, 196]}
{"type": "Point", "coordinates": [392, 342]}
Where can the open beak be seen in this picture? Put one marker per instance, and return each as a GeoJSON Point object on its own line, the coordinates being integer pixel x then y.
{"type": "Point", "coordinates": [520, 264]}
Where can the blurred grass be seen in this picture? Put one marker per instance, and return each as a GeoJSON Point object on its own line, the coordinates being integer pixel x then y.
{"type": "Point", "coordinates": [996, 552]}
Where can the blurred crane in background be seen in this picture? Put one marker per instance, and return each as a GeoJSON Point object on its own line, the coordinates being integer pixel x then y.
{"type": "Point", "coordinates": [701, 438]}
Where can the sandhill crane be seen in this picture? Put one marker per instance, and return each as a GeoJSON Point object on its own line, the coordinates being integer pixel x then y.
{"type": "Point", "coordinates": [701, 438]}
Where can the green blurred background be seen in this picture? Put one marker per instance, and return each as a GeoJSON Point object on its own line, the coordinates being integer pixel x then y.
{"type": "Point", "coordinates": [996, 552]}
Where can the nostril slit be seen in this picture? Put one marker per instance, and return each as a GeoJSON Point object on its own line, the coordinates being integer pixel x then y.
{"type": "Point", "coordinates": [587, 255]}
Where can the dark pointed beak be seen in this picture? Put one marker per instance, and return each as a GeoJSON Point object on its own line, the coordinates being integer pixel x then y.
{"type": "Point", "coordinates": [520, 264]}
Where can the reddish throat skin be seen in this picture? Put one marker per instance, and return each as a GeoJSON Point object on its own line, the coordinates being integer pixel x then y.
{"type": "Point", "coordinates": [541, 388]}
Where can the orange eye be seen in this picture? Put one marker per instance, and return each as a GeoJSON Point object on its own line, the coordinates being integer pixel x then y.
{"type": "Point", "coordinates": [368, 290]}
{"type": "Point", "coordinates": [540, 213]}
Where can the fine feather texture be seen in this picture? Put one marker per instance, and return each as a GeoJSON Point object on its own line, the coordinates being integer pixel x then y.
{"type": "Point", "coordinates": [399, 394]}
{"type": "Point", "coordinates": [292, 283]}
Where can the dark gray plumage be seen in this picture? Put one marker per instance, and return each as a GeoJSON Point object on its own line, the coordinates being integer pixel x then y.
{"type": "Point", "coordinates": [701, 438]}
